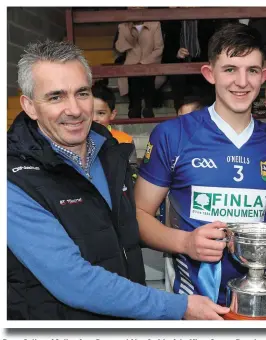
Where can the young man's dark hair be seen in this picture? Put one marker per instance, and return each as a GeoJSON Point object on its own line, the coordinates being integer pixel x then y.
{"type": "Point", "coordinates": [236, 39]}
{"type": "Point", "coordinates": [101, 91]}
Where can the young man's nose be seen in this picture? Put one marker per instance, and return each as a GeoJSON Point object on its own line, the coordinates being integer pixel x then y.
{"type": "Point", "coordinates": [241, 79]}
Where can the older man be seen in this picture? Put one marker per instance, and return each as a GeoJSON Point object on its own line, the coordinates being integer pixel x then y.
{"type": "Point", "coordinates": [73, 240]}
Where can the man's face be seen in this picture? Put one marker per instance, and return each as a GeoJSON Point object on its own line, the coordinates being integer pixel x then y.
{"type": "Point", "coordinates": [62, 102]}
{"type": "Point", "coordinates": [237, 81]}
{"type": "Point", "coordinates": [102, 113]}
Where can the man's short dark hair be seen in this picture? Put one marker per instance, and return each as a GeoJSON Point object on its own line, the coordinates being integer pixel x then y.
{"type": "Point", "coordinates": [101, 91]}
{"type": "Point", "coordinates": [236, 39]}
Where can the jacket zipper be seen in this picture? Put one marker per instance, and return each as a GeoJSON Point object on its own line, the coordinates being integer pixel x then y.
{"type": "Point", "coordinates": [125, 254]}
{"type": "Point", "coordinates": [123, 249]}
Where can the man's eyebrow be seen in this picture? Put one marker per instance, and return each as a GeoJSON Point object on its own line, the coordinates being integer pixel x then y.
{"type": "Point", "coordinates": [228, 66]}
{"type": "Point", "coordinates": [63, 92]}
{"type": "Point", "coordinates": [54, 93]}
{"type": "Point", "coordinates": [256, 66]}
{"type": "Point", "coordinates": [83, 88]}
{"type": "Point", "coordinates": [234, 66]}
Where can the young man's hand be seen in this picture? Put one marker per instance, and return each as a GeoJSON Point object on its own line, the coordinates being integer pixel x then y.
{"type": "Point", "coordinates": [206, 243]}
{"type": "Point", "coordinates": [202, 308]}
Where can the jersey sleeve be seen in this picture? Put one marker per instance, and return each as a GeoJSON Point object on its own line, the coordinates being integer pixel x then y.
{"type": "Point", "coordinates": [160, 154]}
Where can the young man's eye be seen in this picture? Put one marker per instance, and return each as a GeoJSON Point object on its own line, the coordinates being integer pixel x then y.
{"type": "Point", "coordinates": [101, 113]}
{"type": "Point", "coordinates": [253, 70]}
{"type": "Point", "coordinates": [229, 70]}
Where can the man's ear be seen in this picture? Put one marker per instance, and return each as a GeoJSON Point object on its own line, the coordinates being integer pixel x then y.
{"type": "Point", "coordinates": [113, 114]}
{"type": "Point", "coordinates": [263, 75]}
{"type": "Point", "coordinates": [27, 105]}
{"type": "Point", "coordinates": [207, 73]}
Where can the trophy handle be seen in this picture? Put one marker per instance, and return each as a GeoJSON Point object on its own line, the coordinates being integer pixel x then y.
{"type": "Point", "coordinates": [229, 239]}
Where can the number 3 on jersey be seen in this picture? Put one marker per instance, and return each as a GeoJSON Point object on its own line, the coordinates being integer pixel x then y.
{"type": "Point", "coordinates": [239, 172]}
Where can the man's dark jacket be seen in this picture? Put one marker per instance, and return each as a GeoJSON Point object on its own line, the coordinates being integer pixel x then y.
{"type": "Point", "coordinates": [105, 237]}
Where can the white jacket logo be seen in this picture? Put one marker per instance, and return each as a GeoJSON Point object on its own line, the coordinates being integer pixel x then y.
{"type": "Point", "coordinates": [71, 201]}
{"type": "Point", "coordinates": [25, 168]}
{"type": "Point", "coordinates": [203, 163]}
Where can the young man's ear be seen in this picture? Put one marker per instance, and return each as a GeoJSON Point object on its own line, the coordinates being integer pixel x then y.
{"type": "Point", "coordinates": [27, 105]}
{"type": "Point", "coordinates": [207, 73]}
{"type": "Point", "coordinates": [263, 76]}
{"type": "Point", "coordinates": [113, 114]}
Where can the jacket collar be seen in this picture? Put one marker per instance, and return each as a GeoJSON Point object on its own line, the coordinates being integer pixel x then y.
{"type": "Point", "coordinates": [24, 140]}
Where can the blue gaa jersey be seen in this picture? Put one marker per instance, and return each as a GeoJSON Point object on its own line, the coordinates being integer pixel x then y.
{"type": "Point", "coordinates": [213, 174]}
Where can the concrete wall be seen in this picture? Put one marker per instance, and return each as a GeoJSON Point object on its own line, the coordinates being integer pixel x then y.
{"type": "Point", "coordinates": [29, 24]}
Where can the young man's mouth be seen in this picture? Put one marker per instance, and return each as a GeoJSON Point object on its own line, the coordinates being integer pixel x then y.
{"type": "Point", "coordinates": [240, 94]}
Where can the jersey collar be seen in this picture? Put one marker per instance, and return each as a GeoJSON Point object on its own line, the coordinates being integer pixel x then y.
{"type": "Point", "coordinates": [237, 139]}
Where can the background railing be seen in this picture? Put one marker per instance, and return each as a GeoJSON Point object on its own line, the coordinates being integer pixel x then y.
{"type": "Point", "coordinates": [75, 17]}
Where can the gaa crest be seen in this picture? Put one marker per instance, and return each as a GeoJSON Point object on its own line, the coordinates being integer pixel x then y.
{"type": "Point", "coordinates": [263, 170]}
{"type": "Point", "coordinates": [148, 153]}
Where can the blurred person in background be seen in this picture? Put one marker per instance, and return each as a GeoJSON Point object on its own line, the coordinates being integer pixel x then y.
{"type": "Point", "coordinates": [143, 44]}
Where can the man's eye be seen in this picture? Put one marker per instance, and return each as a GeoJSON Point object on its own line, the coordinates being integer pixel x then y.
{"type": "Point", "coordinates": [54, 99]}
{"type": "Point", "coordinates": [101, 113]}
{"type": "Point", "coordinates": [253, 70]}
{"type": "Point", "coordinates": [84, 94]}
{"type": "Point", "coordinates": [229, 70]}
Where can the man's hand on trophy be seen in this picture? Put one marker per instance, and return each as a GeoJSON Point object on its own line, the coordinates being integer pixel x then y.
{"type": "Point", "coordinates": [206, 243]}
{"type": "Point", "coordinates": [202, 308]}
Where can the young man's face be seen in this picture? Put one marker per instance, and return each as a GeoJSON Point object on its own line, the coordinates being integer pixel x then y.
{"type": "Point", "coordinates": [102, 113]}
{"type": "Point", "coordinates": [62, 102]}
{"type": "Point", "coordinates": [237, 81]}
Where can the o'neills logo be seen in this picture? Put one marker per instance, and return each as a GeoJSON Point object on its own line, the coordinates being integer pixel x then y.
{"type": "Point", "coordinates": [25, 168]}
{"type": "Point", "coordinates": [227, 204]}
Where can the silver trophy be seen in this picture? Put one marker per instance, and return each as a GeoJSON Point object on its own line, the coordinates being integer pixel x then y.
{"type": "Point", "coordinates": [246, 296]}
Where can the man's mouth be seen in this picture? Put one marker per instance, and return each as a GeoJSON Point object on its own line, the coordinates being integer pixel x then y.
{"type": "Point", "coordinates": [76, 124]}
{"type": "Point", "coordinates": [240, 93]}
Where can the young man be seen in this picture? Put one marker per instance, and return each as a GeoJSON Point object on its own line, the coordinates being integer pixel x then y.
{"type": "Point", "coordinates": [104, 110]}
{"type": "Point", "coordinates": [212, 163]}
{"type": "Point", "coordinates": [73, 239]}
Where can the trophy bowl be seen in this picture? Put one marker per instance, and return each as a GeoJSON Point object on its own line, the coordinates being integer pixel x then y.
{"type": "Point", "coordinates": [247, 243]}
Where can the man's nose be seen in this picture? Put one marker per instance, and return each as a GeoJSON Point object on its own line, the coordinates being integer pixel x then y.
{"type": "Point", "coordinates": [241, 79]}
{"type": "Point", "coordinates": [73, 107]}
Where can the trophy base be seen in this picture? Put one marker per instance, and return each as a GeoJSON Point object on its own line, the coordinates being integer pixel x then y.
{"type": "Point", "coordinates": [234, 316]}
{"type": "Point", "coordinates": [246, 299]}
